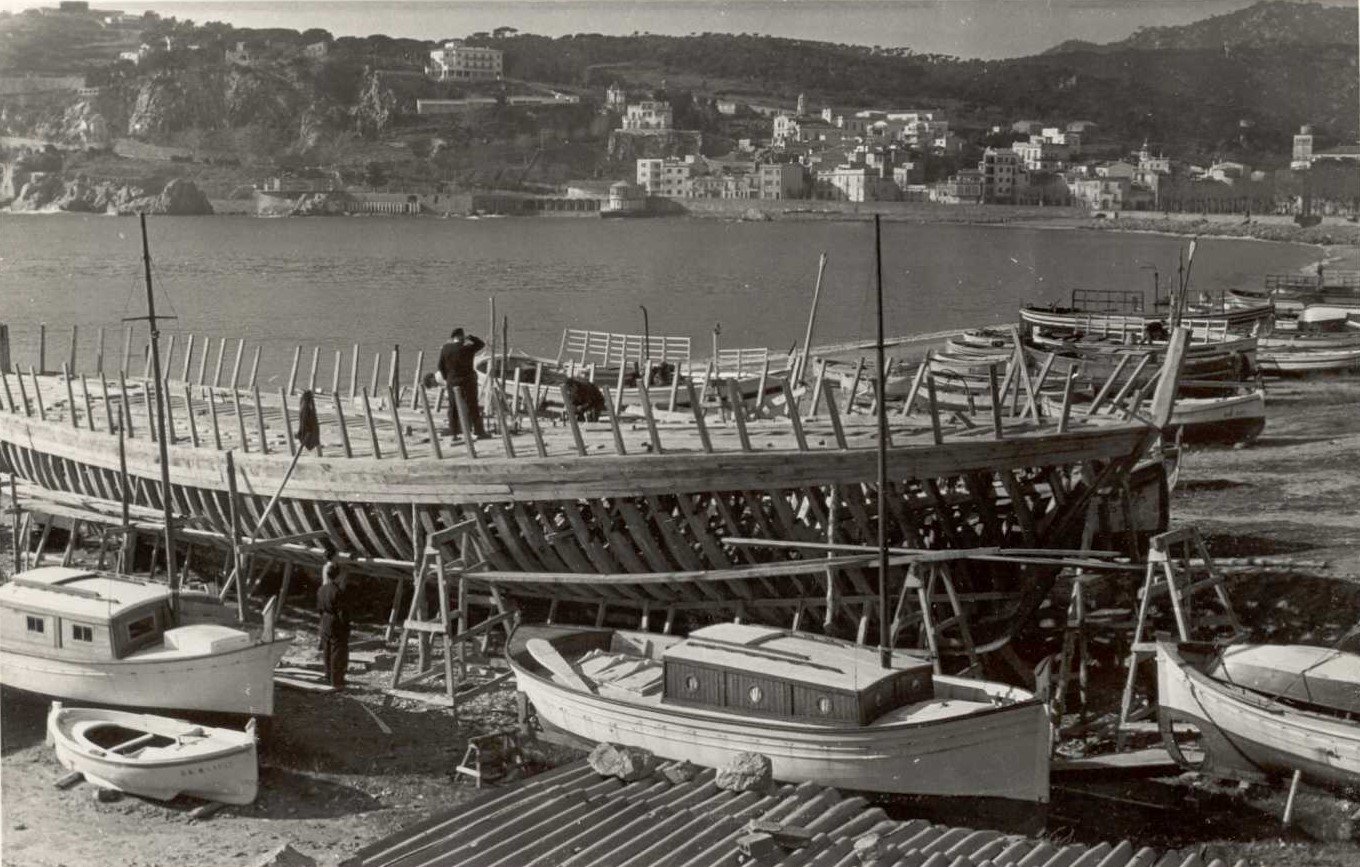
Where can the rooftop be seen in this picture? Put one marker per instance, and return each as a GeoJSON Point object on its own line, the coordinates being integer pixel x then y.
{"type": "Point", "coordinates": [78, 592]}
{"type": "Point", "coordinates": [573, 816]}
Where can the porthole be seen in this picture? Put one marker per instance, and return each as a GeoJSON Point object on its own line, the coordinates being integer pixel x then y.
{"type": "Point", "coordinates": [824, 705]}
{"type": "Point", "coordinates": [691, 684]}
{"type": "Point", "coordinates": [756, 694]}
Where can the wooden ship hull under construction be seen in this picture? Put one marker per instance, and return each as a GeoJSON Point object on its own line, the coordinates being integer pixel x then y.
{"type": "Point", "coordinates": [624, 512]}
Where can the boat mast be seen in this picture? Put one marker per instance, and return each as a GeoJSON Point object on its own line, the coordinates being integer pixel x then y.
{"type": "Point", "coordinates": [884, 651]}
{"type": "Point", "coordinates": [151, 318]}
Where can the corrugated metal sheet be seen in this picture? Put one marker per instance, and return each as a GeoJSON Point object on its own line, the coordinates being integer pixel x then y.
{"type": "Point", "coordinates": [573, 817]}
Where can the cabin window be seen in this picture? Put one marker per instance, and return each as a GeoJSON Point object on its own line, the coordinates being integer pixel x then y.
{"type": "Point", "coordinates": [36, 625]}
{"type": "Point", "coordinates": [756, 694]}
{"type": "Point", "coordinates": [81, 632]}
{"type": "Point", "coordinates": [691, 682]}
{"type": "Point", "coordinates": [141, 627]}
{"type": "Point", "coordinates": [824, 705]}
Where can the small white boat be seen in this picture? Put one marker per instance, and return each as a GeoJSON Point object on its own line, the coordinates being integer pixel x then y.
{"type": "Point", "coordinates": [98, 638]}
{"type": "Point", "coordinates": [1320, 677]}
{"type": "Point", "coordinates": [155, 756]}
{"type": "Point", "coordinates": [819, 708]}
{"type": "Point", "coordinates": [1231, 418]}
{"type": "Point", "coordinates": [1249, 734]}
{"type": "Point", "coordinates": [1300, 362]}
{"type": "Point", "coordinates": [1301, 341]}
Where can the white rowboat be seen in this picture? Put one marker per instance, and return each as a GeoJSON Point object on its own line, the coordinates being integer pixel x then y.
{"type": "Point", "coordinates": [155, 756]}
{"type": "Point", "coordinates": [1246, 734]}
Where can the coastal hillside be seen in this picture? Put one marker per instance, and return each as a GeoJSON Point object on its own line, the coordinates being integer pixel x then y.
{"type": "Point", "coordinates": [1233, 86]}
{"type": "Point", "coordinates": [1273, 24]}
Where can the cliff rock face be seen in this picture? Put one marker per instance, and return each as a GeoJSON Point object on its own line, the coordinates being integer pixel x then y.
{"type": "Point", "coordinates": [168, 103]}
{"type": "Point", "coordinates": [377, 107]}
{"type": "Point", "coordinates": [47, 191]}
{"type": "Point", "coordinates": [80, 124]}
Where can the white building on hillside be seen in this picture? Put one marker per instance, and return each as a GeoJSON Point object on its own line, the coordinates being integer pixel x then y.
{"type": "Point", "coordinates": [648, 116]}
{"type": "Point", "coordinates": [456, 61]}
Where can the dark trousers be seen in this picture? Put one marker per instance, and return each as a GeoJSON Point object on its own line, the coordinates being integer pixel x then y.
{"type": "Point", "coordinates": [468, 389]}
{"type": "Point", "coordinates": [335, 655]}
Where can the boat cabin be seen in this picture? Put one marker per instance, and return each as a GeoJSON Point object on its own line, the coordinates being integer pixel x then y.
{"type": "Point", "coordinates": [81, 614]}
{"type": "Point", "coordinates": [791, 675]}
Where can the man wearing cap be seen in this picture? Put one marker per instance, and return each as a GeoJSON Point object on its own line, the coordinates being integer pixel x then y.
{"type": "Point", "coordinates": [332, 604]}
{"type": "Point", "coordinates": [456, 358]}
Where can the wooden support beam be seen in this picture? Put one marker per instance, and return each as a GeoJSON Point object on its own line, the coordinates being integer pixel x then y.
{"type": "Point", "coordinates": [236, 364]}
{"type": "Point", "coordinates": [424, 398]}
{"type": "Point", "coordinates": [372, 426]}
{"type": "Point", "coordinates": [396, 422]}
{"type": "Point", "coordinates": [259, 420]}
{"type": "Point", "coordinates": [344, 428]}
{"type": "Point", "coordinates": [293, 368]}
{"type": "Point", "coordinates": [217, 368]}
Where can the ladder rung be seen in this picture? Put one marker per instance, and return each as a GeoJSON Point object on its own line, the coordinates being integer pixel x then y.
{"type": "Point", "coordinates": [1145, 648]}
{"type": "Point", "coordinates": [427, 626]}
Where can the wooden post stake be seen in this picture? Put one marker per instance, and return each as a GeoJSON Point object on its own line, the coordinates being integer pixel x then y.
{"type": "Point", "coordinates": [344, 429]}
{"type": "Point", "coordinates": [372, 428]}
{"type": "Point", "coordinates": [236, 364]}
{"type": "Point", "coordinates": [293, 368]}
{"type": "Point", "coordinates": [424, 398]}
{"type": "Point", "coordinates": [217, 368]}
{"type": "Point", "coordinates": [396, 422]}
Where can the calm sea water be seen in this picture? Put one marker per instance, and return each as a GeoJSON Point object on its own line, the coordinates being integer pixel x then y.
{"type": "Point", "coordinates": [965, 28]}
{"type": "Point", "coordinates": [386, 281]}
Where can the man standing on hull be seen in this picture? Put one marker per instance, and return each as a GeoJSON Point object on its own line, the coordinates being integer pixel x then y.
{"type": "Point", "coordinates": [456, 359]}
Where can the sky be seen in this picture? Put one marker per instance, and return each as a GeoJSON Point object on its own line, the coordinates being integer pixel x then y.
{"type": "Point", "coordinates": [965, 28]}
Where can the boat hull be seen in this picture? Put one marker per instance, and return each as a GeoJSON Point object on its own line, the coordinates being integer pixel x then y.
{"type": "Point", "coordinates": [239, 682]}
{"type": "Point", "coordinates": [229, 774]}
{"type": "Point", "coordinates": [999, 753]}
{"type": "Point", "coordinates": [1248, 735]}
{"type": "Point", "coordinates": [1306, 361]}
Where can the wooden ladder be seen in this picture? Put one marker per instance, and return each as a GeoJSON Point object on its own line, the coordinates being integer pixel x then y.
{"type": "Point", "coordinates": [450, 624]}
{"type": "Point", "coordinates": [1169, 572]}
{"type": "Point", "coordinates": [933, 629]}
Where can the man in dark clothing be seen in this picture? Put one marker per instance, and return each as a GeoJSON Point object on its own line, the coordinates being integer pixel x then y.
{"type": "Point", "coordinates": [332, 604]}
{"type": "Point", "coordinates": [456, 359]}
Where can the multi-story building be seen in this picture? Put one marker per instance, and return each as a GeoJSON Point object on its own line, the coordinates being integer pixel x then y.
{"type": "Point", "coordinates": [1040, 155]}
{"type": "Point", "coordinates": [964, 188]}
{"type": "Point", "coordinates": [456, 61]}
{"type": "Point", "coordinates": [781, 181]}
{"type": "Point", "coordinates": [1100, 193]}
{"type": "Point", "coordinates": [648, 116]}
{"type": "Point", "coordinates": [665, 177]}
{"type": "Point", "coordinates": [615, 98]}
{"type": "Point", "coordinates": [1002, 171]}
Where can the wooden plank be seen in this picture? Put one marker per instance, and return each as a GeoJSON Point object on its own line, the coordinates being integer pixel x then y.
{"type": "Point", "coordinates": [739, 414]}
{"type": "Point", "coordinates": [236, 364]}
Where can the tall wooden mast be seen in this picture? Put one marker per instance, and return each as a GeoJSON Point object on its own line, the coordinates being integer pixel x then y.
{"type": "Point", "coordinates": [884, 650]}
{"type": "Point", "coordinates": [163, 441]}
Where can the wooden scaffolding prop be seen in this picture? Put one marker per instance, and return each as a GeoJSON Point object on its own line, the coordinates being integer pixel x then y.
{"type": "Point", "coordinates": [451, 624]}
{"type": "Point", "coordinates": [1170, 572]}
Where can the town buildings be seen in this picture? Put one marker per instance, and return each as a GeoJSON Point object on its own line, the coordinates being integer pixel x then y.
{"type": "Point", "coordinates": [648, 116]}
{"type": "Point", "coordinates": [457, 61]}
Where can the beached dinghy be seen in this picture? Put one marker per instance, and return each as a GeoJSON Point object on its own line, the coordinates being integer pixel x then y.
{"type": "Point", "coordinates": [819, 708]}
{"type": "Point", "coordinates": [1301, 362]}
{"type": "Point", "coordinates": [1321, 677]}
{"type": "Point", "coordinates": [106, 639]}
{"type": "Point", "coordinates": [155, 756]}
{"type": "Point", "coordinates": [1249, 734]}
